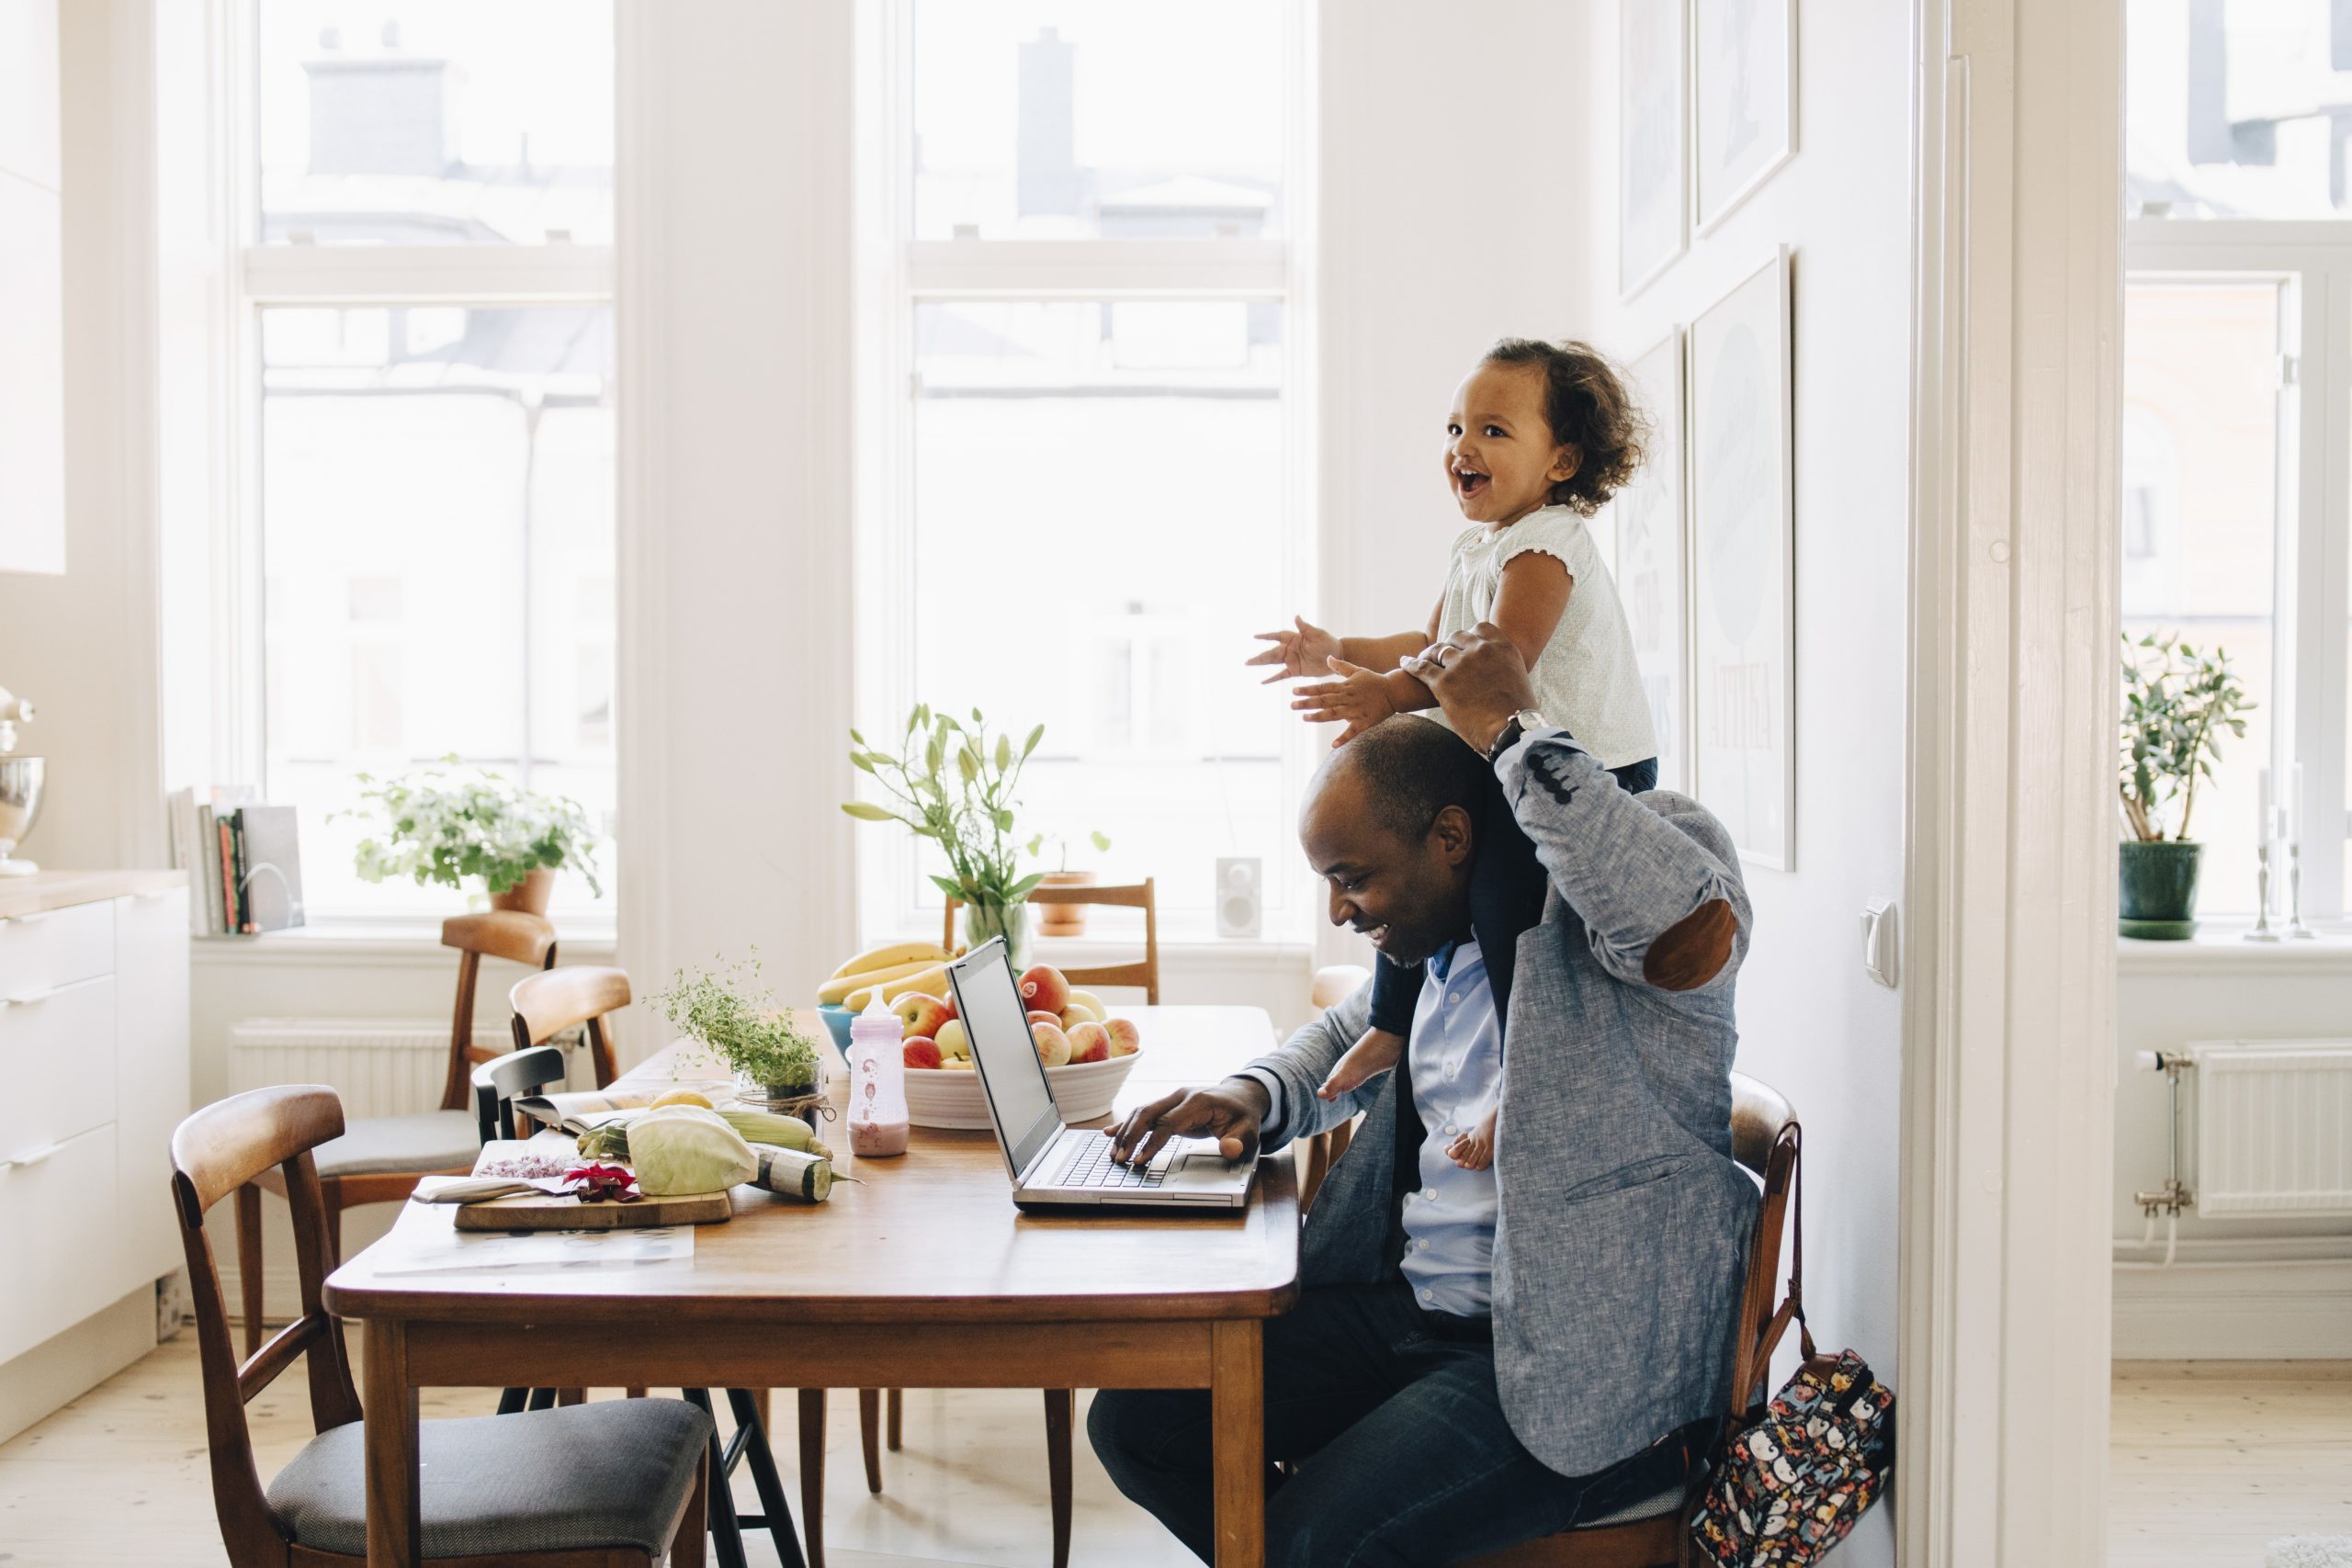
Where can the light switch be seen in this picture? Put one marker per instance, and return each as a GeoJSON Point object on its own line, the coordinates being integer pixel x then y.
{"type": "Point", "coordinates": [1879, 947]}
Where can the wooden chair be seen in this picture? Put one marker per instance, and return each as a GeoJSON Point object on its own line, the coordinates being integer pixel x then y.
{"type": "Point", "coordinates": [592, 1487]}
{"type": "Point", "coordinates": [382, 1158]}
{"type": "Point", "coordinates": [1655, 1532]}
{"type": "Point", "coordinates": [1130, 895]}
{"type": "Point", "coordinates": [585, 998]}
{"type": "Point", "coordinates": [1333, 984]}
{"type": "Point", "coordinates": [550, 1002]}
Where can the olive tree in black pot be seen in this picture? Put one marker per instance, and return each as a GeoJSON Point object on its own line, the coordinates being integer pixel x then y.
{"type": "Point", "coordinates": [2177, 705]}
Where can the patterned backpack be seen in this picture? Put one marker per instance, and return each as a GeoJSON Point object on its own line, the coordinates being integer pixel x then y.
{"type": "Point", "coordinates": [1790, 1478]}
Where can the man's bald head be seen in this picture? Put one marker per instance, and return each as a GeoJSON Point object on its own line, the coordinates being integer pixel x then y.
{"type": "Point", "coordinates": [1389, 822]}
{"type": "Point", "coordinates": [1404, 771]}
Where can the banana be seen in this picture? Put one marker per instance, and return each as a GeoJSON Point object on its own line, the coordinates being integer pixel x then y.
{"type": "Point", "coordinates": [834, 989]}
{"type": "Point", "coordinates": [891, 955]}
{"type": "Point", "coordinates": [931, 980]}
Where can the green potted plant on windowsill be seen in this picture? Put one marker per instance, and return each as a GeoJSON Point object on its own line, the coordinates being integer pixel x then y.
{"type": "Point", "coordinates": [1064, 919]}
{"type": "Point", "coordinates": [953, 784]}
{"type": "Point", "coordinates": [431, 828]}
{"type": "Point", "coordinates": [2178, 703]}
{"type": "Point", "coordinates": [737, 1020]}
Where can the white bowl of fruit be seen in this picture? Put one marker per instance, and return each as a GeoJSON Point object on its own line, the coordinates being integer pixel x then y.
{"type": "Point", "coordinates": [1088, 1053]}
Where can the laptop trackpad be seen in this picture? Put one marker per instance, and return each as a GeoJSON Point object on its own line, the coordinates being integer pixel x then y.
{"type": "Point", "coordinates": [1205, 1168]}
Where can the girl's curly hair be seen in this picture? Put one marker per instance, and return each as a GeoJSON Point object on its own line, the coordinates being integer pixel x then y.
{"type": "Point", "coordinates": [1588, 408]}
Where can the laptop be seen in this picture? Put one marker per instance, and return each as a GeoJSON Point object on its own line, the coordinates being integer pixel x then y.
{"type": "Point", "coordinates": [1053, 1165]}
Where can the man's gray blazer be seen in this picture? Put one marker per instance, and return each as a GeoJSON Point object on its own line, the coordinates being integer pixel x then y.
{"type": "Point", "coordinates": [1623, 1219]}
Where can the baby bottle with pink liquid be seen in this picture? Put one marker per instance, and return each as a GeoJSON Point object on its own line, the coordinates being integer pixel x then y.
{"type": "Point", "coordinates": [878, 1083]}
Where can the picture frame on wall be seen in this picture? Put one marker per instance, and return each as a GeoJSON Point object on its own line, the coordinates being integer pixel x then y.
{"type": "Point", "coordinates": [1743, 85]}
{"type": "Point", "coordinates": [1743, 566]}
{"type": "Point", "coordinates": [1653, 141]}
{"type": "Point", "coordinates": [1652, 565]}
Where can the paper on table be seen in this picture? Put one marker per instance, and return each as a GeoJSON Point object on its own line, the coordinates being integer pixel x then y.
{"type": "Point", "coordinates": [535, 1252]}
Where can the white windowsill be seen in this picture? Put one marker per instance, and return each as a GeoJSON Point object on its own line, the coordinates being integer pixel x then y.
{"type": "Point", "coordinates": [2220, 948]}
{"type": "Point", "coordinates": [337, 941]}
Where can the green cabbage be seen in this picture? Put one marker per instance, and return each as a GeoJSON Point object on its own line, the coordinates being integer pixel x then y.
{"type": "Point", "coordinates": [684, 1148]}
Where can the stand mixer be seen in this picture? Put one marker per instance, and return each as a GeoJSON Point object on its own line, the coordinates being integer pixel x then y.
{"type": "Point", "coordinates": [20, 779]}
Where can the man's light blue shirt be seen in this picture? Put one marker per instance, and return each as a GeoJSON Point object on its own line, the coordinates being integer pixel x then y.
{"type": "Point", "coordinates": [1456, 1059]}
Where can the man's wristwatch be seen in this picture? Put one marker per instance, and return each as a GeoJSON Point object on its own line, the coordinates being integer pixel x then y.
{"type": "Point", "coordinates": [1514, 728]}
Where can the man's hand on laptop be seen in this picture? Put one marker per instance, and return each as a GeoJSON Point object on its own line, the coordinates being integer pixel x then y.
{"type": "Point", "coordinates": [1231, 1113]}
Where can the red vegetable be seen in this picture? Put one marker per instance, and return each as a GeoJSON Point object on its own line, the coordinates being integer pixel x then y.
{"type": "Point", "coordinates": [595, 1183]}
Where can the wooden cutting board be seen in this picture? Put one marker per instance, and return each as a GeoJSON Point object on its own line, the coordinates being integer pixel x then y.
{"type": "Point", "coordinates": [545, 1212]}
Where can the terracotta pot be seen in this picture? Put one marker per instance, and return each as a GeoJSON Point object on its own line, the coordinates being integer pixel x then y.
{"type": "Point", "coordinates": [1064, 919]}
{"type": "Point", "coordinates": [529, 896]}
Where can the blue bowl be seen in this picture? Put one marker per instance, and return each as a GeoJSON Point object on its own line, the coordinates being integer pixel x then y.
{"type": "Point", "coordinates": [837, 1021]}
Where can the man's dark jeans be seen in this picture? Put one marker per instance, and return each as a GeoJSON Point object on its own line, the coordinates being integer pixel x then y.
{"type": "Point", "coordinates": [1392, 1417]}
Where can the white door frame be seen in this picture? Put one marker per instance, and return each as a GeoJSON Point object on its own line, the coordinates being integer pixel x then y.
{"type": "Point", "coordinates": [2009, 1022]}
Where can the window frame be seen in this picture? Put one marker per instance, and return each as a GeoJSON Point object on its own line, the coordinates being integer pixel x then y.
{"type": "Point", "coordinates": [895, 272]}
{"type": "Point", "coordinates": [256, 277]}
{"type": "Point", "coordinates": [2312, 581]}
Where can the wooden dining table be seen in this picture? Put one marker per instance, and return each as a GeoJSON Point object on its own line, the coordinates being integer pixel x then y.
{"type": "Point", "coordinates": [919, 1273]}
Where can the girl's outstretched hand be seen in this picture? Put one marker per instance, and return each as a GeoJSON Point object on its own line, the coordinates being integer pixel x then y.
{"type": "Point", "coordinates": [1301, 652]}
{"type": "Point", "coordinates": [1359, 699]}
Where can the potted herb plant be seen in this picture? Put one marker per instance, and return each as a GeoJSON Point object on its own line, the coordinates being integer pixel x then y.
{"type": "Point", "coordinates": [2178, 703]}
{"type": "Point", "coordinates": [737, 1020]}
{"type": "Point", "coordinates": [1064, 920]}
{"type": "Point", "coordinates": [953, 783]}
{"type": "Point", "coordinates": [433, 828]}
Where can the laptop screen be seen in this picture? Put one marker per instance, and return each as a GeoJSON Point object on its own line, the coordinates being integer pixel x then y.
{"type": "Point", "coordinates": [1011, 1074]}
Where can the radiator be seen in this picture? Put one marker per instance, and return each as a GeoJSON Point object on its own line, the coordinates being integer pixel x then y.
{"type": "Point", "coordinates": [381, 1067]}
{"type": "Point", "coordinates": [2274, 1127]}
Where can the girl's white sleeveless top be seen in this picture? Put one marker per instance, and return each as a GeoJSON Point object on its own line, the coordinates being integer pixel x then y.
{"type": "Point", "coordinates": [1586, 680]}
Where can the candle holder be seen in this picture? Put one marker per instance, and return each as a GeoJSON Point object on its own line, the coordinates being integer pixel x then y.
{"type": "Point", "coordinates": [2296, 929]}
{"type": "Point", "coordinates": [2261, 931]}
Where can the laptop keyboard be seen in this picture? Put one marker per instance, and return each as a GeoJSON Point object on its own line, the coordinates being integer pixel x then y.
{"type": "Point", "coordinates": [1095, 1168]}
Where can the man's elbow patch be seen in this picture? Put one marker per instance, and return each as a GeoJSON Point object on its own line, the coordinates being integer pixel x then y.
{"type": "Point", "coordinates": [1694, 950]}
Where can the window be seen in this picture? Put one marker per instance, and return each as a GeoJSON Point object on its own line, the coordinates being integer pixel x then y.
{"type": "Point", "coordinates": [1083, 477]}
{"type": "Point", "coordinates": [430, 509]}
{"type": "Point", "coordinates": [2238, 108]}
{"type": "Point", "coordinates": [2236, 504]}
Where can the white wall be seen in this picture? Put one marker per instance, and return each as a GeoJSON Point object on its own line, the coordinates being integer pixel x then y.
{"type": "Point", "coordinates": [1812, 1024]}
{"type": "Point", "coordinates": [82, 646]}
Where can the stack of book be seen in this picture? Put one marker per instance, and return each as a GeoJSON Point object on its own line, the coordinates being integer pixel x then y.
{"type": "Point", "coordinates": [244, 862]}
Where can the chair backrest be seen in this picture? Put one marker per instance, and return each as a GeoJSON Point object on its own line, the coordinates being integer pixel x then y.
{"type": "Point", "coordinates": [515, 935]}
{"type": "Point", "coordinates": [581, 995]}
{"type": "Point", "coordinates": [215, 1152]}
{"type": "Point", "coordinates": [500, 1080]}
{"type": "Point", "coordinates": [1335, 983]}
{"type": "Point", "coordinates": [1126, 895]}
{"type": "Point", "coordinates": [1767, 1139]}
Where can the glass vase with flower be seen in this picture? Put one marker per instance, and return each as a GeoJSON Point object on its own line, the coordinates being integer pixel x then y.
{"type": "Point", "coordinates": [952, 782]}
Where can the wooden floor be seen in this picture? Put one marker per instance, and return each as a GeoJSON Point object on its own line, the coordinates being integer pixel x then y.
{"type": "Point", "coordinates": [121, 1476]}
{"type": "Point", "coordinates": [2212, 1460]}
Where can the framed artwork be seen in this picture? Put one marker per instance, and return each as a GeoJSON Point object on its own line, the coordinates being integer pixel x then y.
{"type": "Point", "coordinates": [1653, 141]}
{"type": "Point", "coordinates": [1743, 738]}
{"type": "Point", "coordinates": [1652, 571]}
{"type": "Point", "coordinates": [1743, 70]}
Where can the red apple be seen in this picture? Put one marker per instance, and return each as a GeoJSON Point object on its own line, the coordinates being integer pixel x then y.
{"type": "Point", "coordinates": [1043, 989]}
{"type": "Point", "coordinates": [922, 1053]}
{"type": "Point", "coordinates": [1053, 1017]}
{"type": "Point", "coordinates": [948, 1001]}
{"type": "Point", "coordinates": [1053, 1046]}
{"type": "Point", "coordinates": [1088, 1042]}
{"type": "Point", "coordinates": [920, 1014]}
{"type": "Point", "coordinates": [1125, 1038]}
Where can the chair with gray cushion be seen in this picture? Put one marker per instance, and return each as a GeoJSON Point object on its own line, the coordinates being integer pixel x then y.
{"type": "Point", "coordinates": [1655, 1532]}
{"type": "Point", "coordinates": [382, 1158]}
{"type": "Point", "coordinates": [586, 1487]}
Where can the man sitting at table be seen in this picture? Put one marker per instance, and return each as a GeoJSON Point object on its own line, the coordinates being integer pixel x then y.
{"type": "Point", "coordinates": [1481, 1357]}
